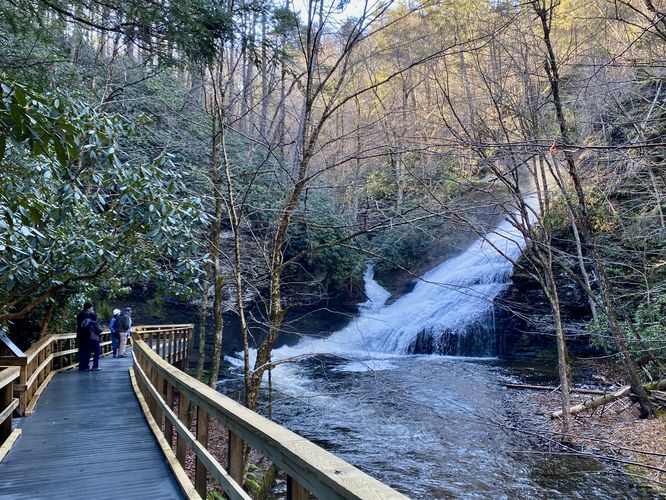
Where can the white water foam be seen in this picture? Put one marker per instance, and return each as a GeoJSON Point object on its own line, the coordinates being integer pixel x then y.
{"type": "Point", "coordinates": [448, 300]}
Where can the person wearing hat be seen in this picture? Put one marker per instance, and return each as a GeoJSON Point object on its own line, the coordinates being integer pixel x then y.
{"type": "Point", "coordinates": [124, 325]}
{"type": "Point", "coordinates": [115, 334]}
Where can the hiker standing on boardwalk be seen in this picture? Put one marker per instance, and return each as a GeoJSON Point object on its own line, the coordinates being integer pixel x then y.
{"type": "Point", "coordinates": [115, 334]}
{"type": "Point", "coordinates": [124, 324]}
{"type": "Point", "coordinates": [94, 331]}
{"type": "Point", "coordinates": [83, 336]}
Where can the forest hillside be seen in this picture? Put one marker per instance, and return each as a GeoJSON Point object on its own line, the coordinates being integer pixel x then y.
{"type": "Point", "coordinates": [256, 155]}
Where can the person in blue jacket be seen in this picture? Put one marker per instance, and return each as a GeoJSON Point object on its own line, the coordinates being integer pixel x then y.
{"type": "Point", "coordinates": [115, 334]}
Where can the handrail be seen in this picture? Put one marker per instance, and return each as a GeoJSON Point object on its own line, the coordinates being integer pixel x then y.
{"type": "Point", "coordinates": [162, 327]}
{"type": "Point", "coordinates": [309, 468]}
{"type": "Point", "coordinates": [7, 406]}
{"type": "Point", "coordinates": [56, 352]}
{"type": "Point", "coordinates": [45, 357]}
{"type": "Point", "coordinates": [172, 342]}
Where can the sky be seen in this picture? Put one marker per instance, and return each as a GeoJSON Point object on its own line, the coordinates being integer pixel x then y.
{"type": "Point", "coordinates": [353, 8]}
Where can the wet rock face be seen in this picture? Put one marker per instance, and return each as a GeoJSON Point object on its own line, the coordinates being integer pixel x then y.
{"type": "Point", "coordinates": [423, 344]}
{"type": "Point", "coordinates": [523, 316]}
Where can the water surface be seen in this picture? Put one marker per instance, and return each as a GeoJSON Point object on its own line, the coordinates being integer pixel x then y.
{"type": "Point", "coordinates": [435, 427]}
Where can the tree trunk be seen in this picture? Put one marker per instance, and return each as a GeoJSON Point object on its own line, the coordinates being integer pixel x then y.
{"type": "Point", "coordinates": [216, 254]}
{"type": "Point", "coordinates": [234, 214]}
{"type": "Point", "coordinates": [556, 172]}
{"type": "Point", "coordinates": [282, 112]}
{"type": "Point", "coordinates": [263, 118]}
{"type": "Point", "coordinates": [195, 95]}
{"type": "Point", "coordinates": [46, 322]}
{"type": "Point", "coordinates": [203, 314]}
{"type": "Point", "coordinates": [647, 408]}
{"type": "Point", "coordinates": [357, 164]}
{"type": "Point", "coordinates": [250, 119]}
{"type": "Point", "coordinates": [562, 355]}
{"type": "Point", "coordinates": [399, 194]}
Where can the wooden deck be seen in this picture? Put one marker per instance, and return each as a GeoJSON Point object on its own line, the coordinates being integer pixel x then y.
{"type": "Point", "coordinates": [87, 439]}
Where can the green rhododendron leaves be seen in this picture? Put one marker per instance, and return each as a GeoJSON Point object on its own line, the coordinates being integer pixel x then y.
{"type": "Point", "coordinates": [73, 206]}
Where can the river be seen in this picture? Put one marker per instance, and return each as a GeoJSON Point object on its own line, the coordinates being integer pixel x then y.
{"type": "Point", "coordinates": [430, 425]}
{"type": "Point", "coordinates": [435, 427]}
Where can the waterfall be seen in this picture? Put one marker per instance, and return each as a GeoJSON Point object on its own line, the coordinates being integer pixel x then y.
{"type": "Point", "coordinates": [449, 311]}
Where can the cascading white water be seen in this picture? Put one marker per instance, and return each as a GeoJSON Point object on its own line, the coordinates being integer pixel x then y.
{"type": "Point", "coordinates": [406, 419]}
{"type": "Point", "coordinates": [449, 311]}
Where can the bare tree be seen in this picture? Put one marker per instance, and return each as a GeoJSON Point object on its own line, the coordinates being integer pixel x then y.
{"type": "Point", "coordinates": [544, 11]}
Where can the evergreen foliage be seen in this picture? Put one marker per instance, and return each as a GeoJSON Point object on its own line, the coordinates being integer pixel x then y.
{"type": "Point", "coordinates": [139, 143]}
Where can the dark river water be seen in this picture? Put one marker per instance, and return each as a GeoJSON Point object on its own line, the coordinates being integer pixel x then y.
{"type": "Point", "coordinates": [430, 426]}
{"type": "Point", "coordinates": [435, 427]}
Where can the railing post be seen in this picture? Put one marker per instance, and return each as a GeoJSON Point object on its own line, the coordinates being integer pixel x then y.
{"type": "Point", "coordinates": [58, 361]}
{"type": "Point", "coordinates": [201, 475]}
{"type": "Point", "coordinates": [6, 399]}
{"type": "Point", "coordinates": [67, 359]}
{"type": "Point", "coordinates": [176, 352]}
{"type": "Point", "coordinates": [190, 344]}
{"type": "Point", "coordinates": [158, 383]}
{"type": "Point", "coordinates": [30, 369]}
{"type": "Point", "coordinates": [236, 457]}
{"type": "Point", "coordinates": [181, 345]}
{"type": "Point", "coordinates": [295, 491]}
{"type": "Point", "coordinates": [181, 445]}
{"type": "Point", "coordinates": [23, 381]}
{"type": "Point", "coordinates": [176, 349]}
{"type": "Point", "coordinates": [49, 352]}
{"type": "Point", "coordinates": [168, 426]}
{"type": "Point", "coordinates": [168, 348]}
{"type": "Point", "coordinates": [75, 345]}
{"type": "Point", "coordinates": [180, 353]}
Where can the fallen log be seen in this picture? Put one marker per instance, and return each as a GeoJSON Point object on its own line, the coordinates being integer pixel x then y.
{"type": "Point", "coordinates": [595, 402]}
{"type": "Point", "coordinates": [658, 398]}
{"type": "Point", "coordinates": [654, 387]}
{"type": "Point", "coordinates": [660, 385]}
{"type": "Point", "coordinates": [550, 388]}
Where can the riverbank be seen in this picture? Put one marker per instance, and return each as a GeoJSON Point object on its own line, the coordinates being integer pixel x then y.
{"type": "Point", "coordinates": [613, 434]}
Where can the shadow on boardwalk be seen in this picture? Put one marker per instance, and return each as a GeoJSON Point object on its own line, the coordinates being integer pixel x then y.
{"type": "Point", "coordinates": [87, 439]}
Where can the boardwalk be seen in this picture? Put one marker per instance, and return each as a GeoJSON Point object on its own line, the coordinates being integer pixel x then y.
{"type": "Point", "coordinates": [87, 439]}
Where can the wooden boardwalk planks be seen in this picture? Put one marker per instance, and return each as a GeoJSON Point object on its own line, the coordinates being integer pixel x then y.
{"type": "Point", "coordinates": [87, 438]}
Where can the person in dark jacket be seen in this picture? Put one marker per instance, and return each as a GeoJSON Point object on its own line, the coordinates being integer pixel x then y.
{"type": "Point", "coordinates": [115, 334]}
{"type": "Point", "coordinates": [94, 330]}
{"type": "Point", "coordinates": [83, 337]}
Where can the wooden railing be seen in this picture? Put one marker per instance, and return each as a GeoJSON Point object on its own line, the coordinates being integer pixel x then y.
{"type": "Point", "coordinates": [23, 378]}
{"type": "Point", "coordinates": [177, 405]}
{"type": "Point", "coordinates": [46, 357]}
{"type": "Point", "coordinates": [7, 406]}
{"type": "Point", "coordinates": [172, 342]}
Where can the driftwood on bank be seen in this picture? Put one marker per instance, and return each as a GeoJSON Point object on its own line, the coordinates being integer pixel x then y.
{"type": "Point", "coordinates": [550, 388]}
{"type": "Point", "coordinates": [655, 388]}
{"type": "Point", "coordinates": [659, 397]}
{"type": "Point", "coordinates": [595, 402]}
